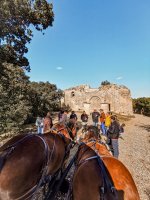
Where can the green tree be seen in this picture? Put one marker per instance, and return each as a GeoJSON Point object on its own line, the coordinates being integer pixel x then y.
{"type": "Point", "coordinates": [21, 100]}
{"type": "Point", "coordinates": [45, 97]}
{"type": "Point", "coordinates": [15, 106]}
{"type": "Point", "coordinates": [105, 83]}
{"type": "Point", "coordinates": [143, 102]}
{"type": "Point", "coordinates": [17, 19]}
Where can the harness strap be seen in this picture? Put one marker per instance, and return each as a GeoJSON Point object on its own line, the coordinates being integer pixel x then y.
{"type": "Point", "coordinates": [86, 160]}
{"type": "Point", "coordinates": [105, 178]}
{"type": "Point", "coordinates": [45, 168]}
{"type": "Point", "coordinates": [64, 174]}
{"type": "Point", "coordinates": [105, 175]}
{"type": "Point", "coordinates": [28, 194]}
{"type": "Point", "coordinates": [69, 132]}
{"type": "Point", "coordinates": [18, 142]}
{"type": "Point", "coordinates": [91, 158]}
{"type": "Point", "coordinates": [32, 191]}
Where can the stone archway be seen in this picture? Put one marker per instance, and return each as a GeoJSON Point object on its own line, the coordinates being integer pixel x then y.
{"type": "Point", "coordinates": [94, 103]}
{"type": "Point", "coordinates": [105, 107]}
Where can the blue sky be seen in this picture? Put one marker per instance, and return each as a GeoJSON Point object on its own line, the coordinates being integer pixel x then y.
{"type": "Point", "coordinates": [93, 41]}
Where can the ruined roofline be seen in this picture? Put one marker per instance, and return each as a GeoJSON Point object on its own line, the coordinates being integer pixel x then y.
{"type": "Point", "coordinates": [78, 87]}
{"type": "Point", "coordinates": [114, 84]}
{"type": "Point", "coordinates": [86, 86]}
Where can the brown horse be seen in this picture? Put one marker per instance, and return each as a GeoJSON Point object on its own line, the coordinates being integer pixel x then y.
{"type": "Point", "coordinates": [70, 127]}
{"type": "Point", "coordinates": [89, 180]}
{"type": "Point", "coordinates": [28, 161]}
{"type": "Point", "coordinates": [87, 176]}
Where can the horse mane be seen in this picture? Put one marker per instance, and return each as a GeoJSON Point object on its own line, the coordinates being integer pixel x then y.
{"type": "Point", "coordinates": [70, 124]}
{"type": "Point", "coordinates": [93, 132]}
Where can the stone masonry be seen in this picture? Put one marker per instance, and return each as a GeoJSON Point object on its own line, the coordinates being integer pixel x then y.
{"type": "Point", "coordinates": [111, 97]}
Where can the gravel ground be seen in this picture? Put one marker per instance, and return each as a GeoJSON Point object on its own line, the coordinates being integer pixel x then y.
{"type": "Point", "coordinates": [135, 153]}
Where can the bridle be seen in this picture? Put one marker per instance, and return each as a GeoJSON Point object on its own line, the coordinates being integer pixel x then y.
{"type": "Point", "coordinates": [72, 143]}
{"type": "Point", "coordinates": [67, 151]}
{"type": "Point", "coordinates": [66, 127]}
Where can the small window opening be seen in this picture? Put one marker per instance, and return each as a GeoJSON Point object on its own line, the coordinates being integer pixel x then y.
{"type": "Point", "coordinates": [72, 94]}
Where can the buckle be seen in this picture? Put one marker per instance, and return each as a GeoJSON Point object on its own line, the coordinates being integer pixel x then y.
{"type": "Point", "coordinates": [102, 190]}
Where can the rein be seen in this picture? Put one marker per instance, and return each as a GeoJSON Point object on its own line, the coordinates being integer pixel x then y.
{"type": "Point", "coordinates": [55, 188]}
{"type": "Point", "coordinates": [69, 131]}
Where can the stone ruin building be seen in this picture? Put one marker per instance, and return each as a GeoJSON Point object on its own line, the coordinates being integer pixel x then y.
{"type": "Point", "coordinates": [110, 97]}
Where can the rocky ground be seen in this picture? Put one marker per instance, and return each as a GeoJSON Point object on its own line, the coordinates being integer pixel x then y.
{"type": "Point", "coordinates": [135, 152]}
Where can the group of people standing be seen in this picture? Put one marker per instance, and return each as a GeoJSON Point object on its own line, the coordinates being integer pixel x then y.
{"type": "Point", "coordinates": [63, 117]}
{"type": "Point", "coordinates": [45, 124]}
{"type": "Point", "coordinates": [102, 120]}
{"type": "Point", "coordinates": [109, 127]}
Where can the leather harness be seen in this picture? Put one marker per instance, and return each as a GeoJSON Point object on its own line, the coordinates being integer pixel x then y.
{"type": "Point", "coordinates": [106, 182]}
{"type": "Point", "coordinates": [44, 178]}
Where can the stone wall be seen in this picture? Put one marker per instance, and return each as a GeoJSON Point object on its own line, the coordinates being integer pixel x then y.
{"type": "Point", "coordinates": [111, 97]}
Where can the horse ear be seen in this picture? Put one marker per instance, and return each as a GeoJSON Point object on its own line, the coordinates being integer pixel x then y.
{"type": "Point", "coordinates": [54, 131]}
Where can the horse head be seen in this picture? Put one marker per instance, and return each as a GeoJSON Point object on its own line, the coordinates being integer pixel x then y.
{"type": "Point", "coordinates": [96, 141]}
{"type": "Point", "coordinates": [68, 129]}
{"type": "Point", "coordinates": [92, 133]}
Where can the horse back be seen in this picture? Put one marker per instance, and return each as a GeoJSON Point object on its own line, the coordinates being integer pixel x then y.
{"type": "Point", "coordinates": [121, 178]}
{"type": "Point", "coordinates": [21, 164]}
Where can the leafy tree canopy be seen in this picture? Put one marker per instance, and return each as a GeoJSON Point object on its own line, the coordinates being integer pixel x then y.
{"type": "Point", "coordinates": [45, 97]}
{"type": "Point", "coordinates": [15, 105]}
{"type": "Point", "coordinates": [21, 100]}
{"type": "Point", "coordinates": [17, 17]}
{"type": "Point", "coordinates": [142, 103]}
{"type": "Point", "coordinates": [105, 83]}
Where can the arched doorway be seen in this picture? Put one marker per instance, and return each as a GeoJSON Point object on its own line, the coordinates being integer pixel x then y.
{"type": "Point", "coordinates": [95, 103]}
{"type": "Point", "coordinates": [105, 107]}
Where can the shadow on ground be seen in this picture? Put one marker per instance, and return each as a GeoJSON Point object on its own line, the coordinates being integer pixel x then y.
{"type": "Point", "coordinates": [146, 127]}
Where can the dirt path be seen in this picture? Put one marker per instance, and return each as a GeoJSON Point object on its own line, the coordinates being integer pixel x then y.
{"type": "Point", "coordinates": [135, 152]}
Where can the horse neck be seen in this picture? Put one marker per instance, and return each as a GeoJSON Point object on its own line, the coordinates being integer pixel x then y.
{"type": "Point", "coordinates": [57, 151]}
{"type": "Point", "coordinates": [63, 130]}
{"type": "Point", "coordinates": [84, 153]}
{"type": "Point", "coordinates": [101, 149]}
